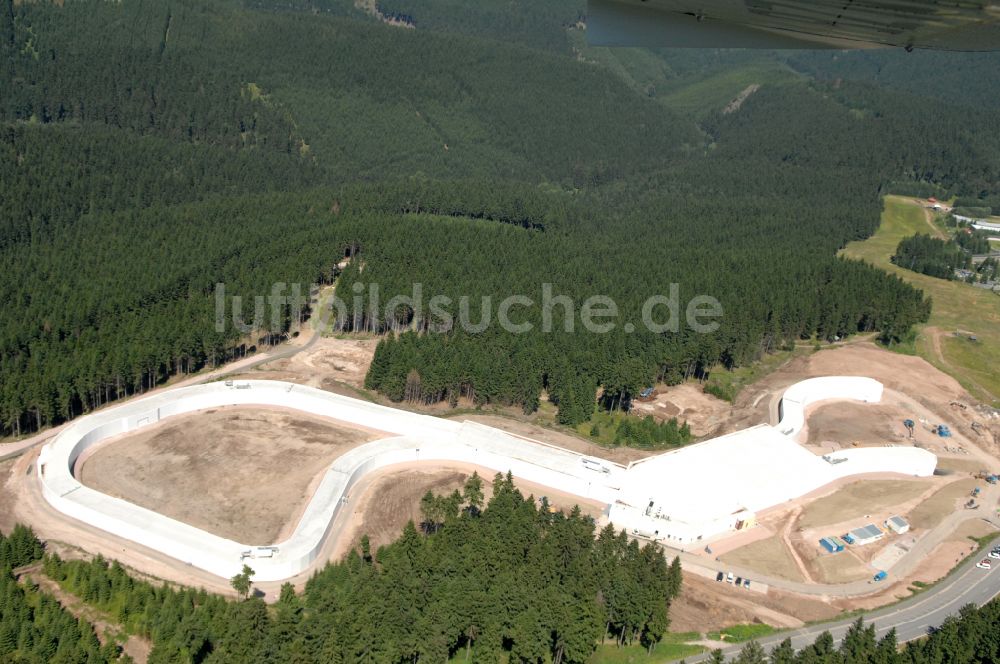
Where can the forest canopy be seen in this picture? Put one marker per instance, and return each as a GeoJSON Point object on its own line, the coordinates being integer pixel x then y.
{"type": "Point", "coordinates": [191, 145]}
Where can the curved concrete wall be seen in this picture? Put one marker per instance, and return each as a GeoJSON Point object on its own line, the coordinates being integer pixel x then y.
{"type": "Point", "coordinates": [801, 395]}
{"type": "Point", "coordinates": [748, 470]}
{"type": "Point", "coordinates": [420, 438]}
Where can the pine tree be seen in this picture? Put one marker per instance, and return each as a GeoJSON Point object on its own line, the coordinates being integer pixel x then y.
{"type": "Point", "coordinates": [783, 653]}
{"type": "Point", "coordinates": [473, 492]}
{"type": "Point", "coordinates": [751, 653]}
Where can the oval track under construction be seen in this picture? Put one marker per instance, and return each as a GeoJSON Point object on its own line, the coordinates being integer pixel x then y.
{"type": "Point", "coordinates": [645, 496]}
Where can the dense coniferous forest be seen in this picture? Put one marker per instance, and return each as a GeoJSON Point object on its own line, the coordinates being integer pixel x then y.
{"type": "Point", "coordinates": [941, 258]}
{"type": "Point", "coordinates": [509, 582]}
{"type": "Point", "coordinates": [505, 580]}
{"type": "Point", "coordinates": [152, 150]}
{"type": "Point", "coordinates": [190, 145]}
{"type": "Point", "coordinates": [34, 627]}
{"type": "Point", "coordinates": [931, 256]}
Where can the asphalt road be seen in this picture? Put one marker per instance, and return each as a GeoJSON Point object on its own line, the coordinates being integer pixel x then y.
{"type": "Point", "coordinates": [912, 617]}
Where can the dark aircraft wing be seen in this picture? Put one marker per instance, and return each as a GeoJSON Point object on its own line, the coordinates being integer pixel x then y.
{"type": "Point", "coordinates": [933, 24]}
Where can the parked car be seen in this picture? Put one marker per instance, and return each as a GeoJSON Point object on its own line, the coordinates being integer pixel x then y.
{"type": "Point", "coordinates": [984, 564]}
{"type": "Point", "coordinates": [729, 577]}
{"type": "Point", "coordinates": [994, 554]}
{"type": "Point", "coordinates": [720, 576]}
{"type": "Point", "coordinates": [739, 581]}
{"type": "Point", "coordinates": [746, 583]}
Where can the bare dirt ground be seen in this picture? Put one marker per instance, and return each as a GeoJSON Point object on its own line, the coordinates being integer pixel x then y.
{"type": "Point", "coordinates": [847, 423]}
{"type": "Point", "coordinates": [943, 502]}
{"type": "Point", "coordinates": [906, 374]}
{"type": "Point", "coordinates": [241, 473]}
{"type": "Point", "coordinates": [688, 403]}
{"type": "Point", "coordinates": [7, 497]}
{"type": "Point", "coordinates": [334, 364]}
{"type": "Point", "coordinates": [857, 504]}
{"type": "Point", "coordinates": [842, 567]}
{"type": "Point", "coordinates": [705, 605]}
{"type": "Point", "coordinates": [392, 498]}
{"type": "Point", "coordinates": [769, 556]}
{"type": "Point", "coordinates": [859, 499]}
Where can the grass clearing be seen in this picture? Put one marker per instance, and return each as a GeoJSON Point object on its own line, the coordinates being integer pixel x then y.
{"type": "Point", "coordinates": [956, 306]}
{"type": "Point", "coordinates": [683, 91]}
{"type": "Point", "coordinates": [673, 646]}
{"type": "Point", "coordinates": [727, 384]}
{"type": "Point", "coordinates": [716, 90]}
{"type": "Point", "coordinates": [860, 498]}
{"type": "Point", "coordinates": [768, 556]}
{"type": "Point", "coordinates": [944, 501]}
{"type": "Point", "coordinates": [741, 633]}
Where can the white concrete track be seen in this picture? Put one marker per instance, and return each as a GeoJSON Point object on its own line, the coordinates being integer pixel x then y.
{"type": "Point", "coordinates": [803, 394]}
{"type": "Point", "coordinates": [772, 467]}
{"type": "Point", "coordinates": [418, 438]}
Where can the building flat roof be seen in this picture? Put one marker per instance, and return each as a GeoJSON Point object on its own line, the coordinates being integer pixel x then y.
{"type": "Point", "coordinates": [867, 532]}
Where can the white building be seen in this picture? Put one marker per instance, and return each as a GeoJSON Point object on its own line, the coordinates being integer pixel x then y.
{"type": "Point", "coordinates": [897, 524]}
{"type": "Point", "coordinates": [865, 535]}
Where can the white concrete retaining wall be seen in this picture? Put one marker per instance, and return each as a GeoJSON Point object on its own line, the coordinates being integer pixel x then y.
{"type": "Point", "coordinates": [801, 395]}
{"type": "Point", "coordinates": [419, 438]}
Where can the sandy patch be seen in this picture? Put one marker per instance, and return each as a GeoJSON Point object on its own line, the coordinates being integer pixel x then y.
{"type": "Point", "coordinates": [859, 499]}
{"type": "Point", "coordinates": [848, 423]}
{"type": "Point", "coordinates": [945, 501]}
{"type": "Point", "coordinates": [840, 567]}
{"type": "Point", "coordinates": [705, 605]}
{"type": "Point", "coordinates": [332, 363]}
{"type": "Point", "coordinates": [392, 496]}
{"type": "Point", "coordinates": [689, 403]}
{"type": "Point", "coordinates": [240, 473]}
{"type": "Point", "coordinates": [768, 556]}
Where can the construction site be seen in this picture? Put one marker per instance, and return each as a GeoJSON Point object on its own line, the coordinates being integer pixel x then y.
{"type": "Point", "coordinates": [808, 487]}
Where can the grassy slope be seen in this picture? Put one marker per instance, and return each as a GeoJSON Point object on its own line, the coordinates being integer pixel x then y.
{"type": "Point", "coordinates": [715, 91]}
{"type": "Point", "coordinates": [674, 646]}
{"type": "Point", "coordinates": [957, 306]}
{"type": "Point", "coordinates": [687, 89]}
{"type": "Point", "coordinates": [671, 648]}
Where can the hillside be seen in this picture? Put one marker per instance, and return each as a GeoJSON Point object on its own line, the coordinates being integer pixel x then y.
{"type": "Point", "coordinates": [254, 143]}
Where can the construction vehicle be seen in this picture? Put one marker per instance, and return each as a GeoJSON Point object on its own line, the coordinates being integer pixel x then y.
{"type": "Point", "coordinates": [910, 426]}
{"type": "Point", "coordinates": [976, 492]}
{"type": "Point", "coordinates": [972, 504]}
{"type": "Point", "coordinates": [595, 465]}
{"type": "Point", "coordinates": [546, 506]}
{"type": "Point", "coordinates": [880, 576]}
{"type": "Point", "coordinates": [942, 430]}
{"type": "Point", "coordinates": [648, 394]}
